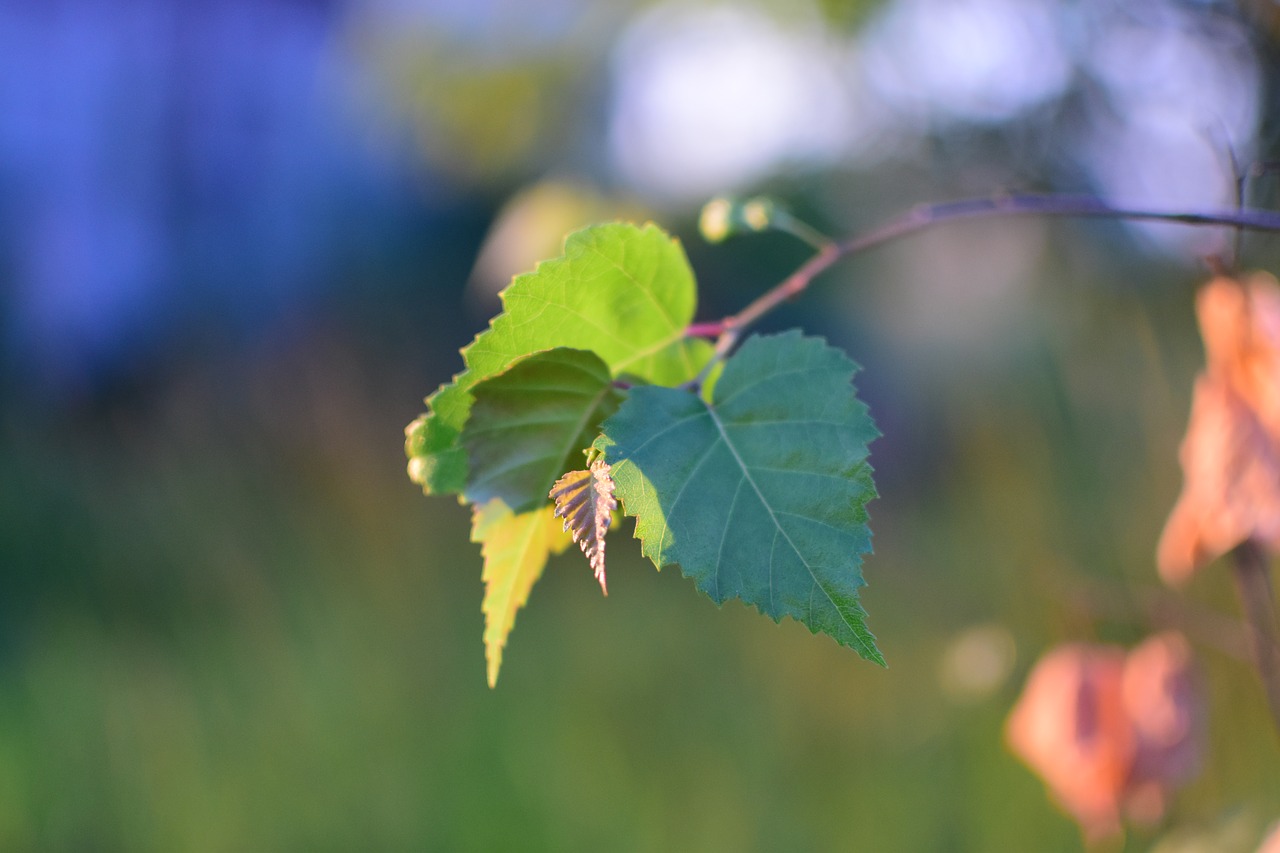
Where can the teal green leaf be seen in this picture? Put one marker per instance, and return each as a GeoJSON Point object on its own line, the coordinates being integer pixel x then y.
{"type": "Point", "coordinates": [531, 423]}
{"type": "Point", "coordinates": [622, 291]}
{"type": "Point", "coordinates": [760, 494]}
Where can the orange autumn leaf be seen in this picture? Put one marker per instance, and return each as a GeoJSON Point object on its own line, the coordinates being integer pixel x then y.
{"type": "Point", "coordinates": [1162, 702]}
{"type": "Point", "coordinates": [1271, 844]}
{"type": "Point", "coordinates": [1231, 453]}
{"type": "Point", "coordinates": [1069, 726]}
{"type": "Point", "coordinates": [1111, 733]}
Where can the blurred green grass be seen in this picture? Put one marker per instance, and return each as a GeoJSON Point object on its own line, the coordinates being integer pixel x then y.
{"type": "Point", "coordinates": [230, 623]}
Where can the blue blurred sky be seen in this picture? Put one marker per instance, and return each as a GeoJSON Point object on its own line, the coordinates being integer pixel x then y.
{"type": "Point", "coordinates": [168, 167]}
{"type": "Point", "coordinates": [162, 161]}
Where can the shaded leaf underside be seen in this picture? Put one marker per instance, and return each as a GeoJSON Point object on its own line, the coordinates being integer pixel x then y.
{"type": "Point", "coordinates": [531, 423]}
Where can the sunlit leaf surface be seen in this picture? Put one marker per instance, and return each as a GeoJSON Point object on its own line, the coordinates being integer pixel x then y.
{"type": "Point", "coordinates": [621, 291]}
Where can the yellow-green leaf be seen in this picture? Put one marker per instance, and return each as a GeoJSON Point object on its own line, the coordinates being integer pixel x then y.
{"type": "Point", "coordinates": [624, 292]}
{"type": "Point", "coordinates": [515, 550]}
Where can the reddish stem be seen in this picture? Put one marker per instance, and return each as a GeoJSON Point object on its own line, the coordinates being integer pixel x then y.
{"type": "Point", "coordinates": [705, 330]}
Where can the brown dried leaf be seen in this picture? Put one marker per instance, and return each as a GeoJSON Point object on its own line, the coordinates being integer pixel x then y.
{"type": "Point", "coordinates": [1231, 454]}
{"type": "Point", "coordinates": [1111, 733]}
{"type": "Point", "coordinates": [1069, 726]}
{"type": "Point", "coordinates": [1162, 700]}
{"type": "Point", "coordinates": [584, 499]}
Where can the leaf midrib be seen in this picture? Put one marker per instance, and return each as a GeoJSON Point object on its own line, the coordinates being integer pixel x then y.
{"type": "Point", "coordinates": [582, 424]}
{"type": "Point", "coordinates": [746, 473]}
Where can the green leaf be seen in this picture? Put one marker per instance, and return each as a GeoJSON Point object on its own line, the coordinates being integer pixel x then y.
{"type": "Point", "coordinates": [621, 291]}
{"type": "Point", "coordinates": [530, 424]}
{"type": "Point", "coordinates": [515, 550]}
{"type": "Point", "coordinates": [761, 493]}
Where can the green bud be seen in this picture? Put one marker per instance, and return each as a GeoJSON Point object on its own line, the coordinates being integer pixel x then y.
{"type": "Point", "coordinates": [723, 217]}
{"type": "Point", "coordinates": [716, 221]}
{"type": "Point", "coordinates": [758, 213]}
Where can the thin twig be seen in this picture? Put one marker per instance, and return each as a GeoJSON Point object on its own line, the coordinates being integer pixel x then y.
{"type": "Point", "coordinates": [927, 216]}
{"type": "Point", "coordinates": [784, 221]}
{"type": "Point", "coordinates": [1253, 582]}
{"type": "Point", "coordinates": [793, 285]}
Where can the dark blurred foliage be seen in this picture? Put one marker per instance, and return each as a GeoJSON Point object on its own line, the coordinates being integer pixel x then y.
{"type": "Point", "coordinates": [238, 245]}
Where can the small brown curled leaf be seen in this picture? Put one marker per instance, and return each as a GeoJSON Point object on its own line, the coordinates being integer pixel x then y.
{"type": "Point", "coordinates": [585, 500]}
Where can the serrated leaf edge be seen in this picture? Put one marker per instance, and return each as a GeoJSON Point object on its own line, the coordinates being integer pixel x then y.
{"type": "Point", "coordinates": [544, 528]}
{"type": "Point", "coordinates": [652, 547]}
{"type": "Point", "coordinates": [418, 467]}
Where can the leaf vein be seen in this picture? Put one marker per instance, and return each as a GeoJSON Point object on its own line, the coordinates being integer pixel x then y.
{"type": "Point", "coordinates": [756, 383]}
{"type": "Point", "coordinates": [769, 509]}
{"type": "Point", "coordinates": [671, 511]}
{"type": "Point", "coordinates": [645, 289]}
{"type": "Point", "coordinates": [668, 429]}
{"type": "Point", "coordinates": [724, 535]}
{"type": "Point", "coordinates": [582, 424]}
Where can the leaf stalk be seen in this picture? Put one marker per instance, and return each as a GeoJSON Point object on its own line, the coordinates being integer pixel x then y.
{"type": "Point", "coordinates": [1253, 583]}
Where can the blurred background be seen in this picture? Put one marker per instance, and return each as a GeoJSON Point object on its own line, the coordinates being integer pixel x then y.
{"type": "Point", "coordinates": [241, 239]}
